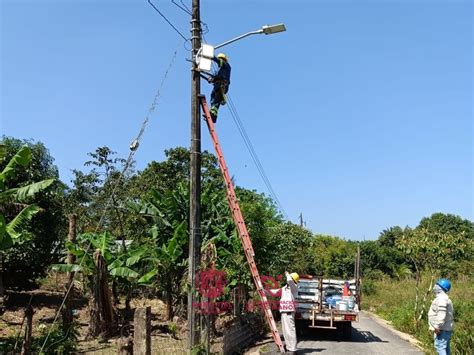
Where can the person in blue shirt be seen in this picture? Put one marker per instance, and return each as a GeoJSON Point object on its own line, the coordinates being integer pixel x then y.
{"type": "Point", "coordinates": [221, 81]}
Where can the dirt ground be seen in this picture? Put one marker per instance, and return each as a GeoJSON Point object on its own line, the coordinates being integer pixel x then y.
{"type": "Point", "coordinates": [167, 337]}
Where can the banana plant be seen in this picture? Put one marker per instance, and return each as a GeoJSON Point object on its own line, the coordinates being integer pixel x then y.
{"type": "Point", "coordinates": [14, 201]}
{"type": "Point", "coordinates": [167, 216]}
{"type": "Point", "coordinates": [119, 261]}
{"type": "Point", "coordinates": [17, 198]}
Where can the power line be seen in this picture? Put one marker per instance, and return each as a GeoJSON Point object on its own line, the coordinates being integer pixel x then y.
{"type": "Point", "coordinates": [253, 154]}
{"type": "Point", "coordinates": [182, 7]}
{"type": "Point", "coordinates": [168, 21]}
{"type": "Point", "coordinates": [186, 9]}
{"type": "Point", "coordinates": [133, 149]}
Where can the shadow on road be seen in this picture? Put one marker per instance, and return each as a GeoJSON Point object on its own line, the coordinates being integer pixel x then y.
{"type": "Point", "coordinates": [357, 336]}
{"type": "Point", "coordinates": [309, 350]}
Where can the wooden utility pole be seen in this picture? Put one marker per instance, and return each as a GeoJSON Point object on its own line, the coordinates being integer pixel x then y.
{"type": "Point", "coordinates": [71, 259]}
{"type": "Point", "coordinates": [66, 312]}
{"type": "Point", "coordinates": [195, 180]}
{"type": "Point", "coordinates": [357, 277]}
{"type": "Point", "coordinates": [301, 220]}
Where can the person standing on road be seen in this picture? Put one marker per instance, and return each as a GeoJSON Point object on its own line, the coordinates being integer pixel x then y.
{"type": "Point", "coordinates": [287, 307]}
{"type": "Point", "coordinates": [441, 317]}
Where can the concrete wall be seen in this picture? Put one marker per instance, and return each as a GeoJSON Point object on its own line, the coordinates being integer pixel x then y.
{"type": "Point", "coordinates": [244, 331]}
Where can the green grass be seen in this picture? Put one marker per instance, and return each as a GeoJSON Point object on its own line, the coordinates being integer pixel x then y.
{"type": "Point", "coordinates": [394, 301]}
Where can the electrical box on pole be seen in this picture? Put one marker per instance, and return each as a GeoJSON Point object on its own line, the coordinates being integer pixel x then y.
{"type": "Point", "coordinates": [204, 57]}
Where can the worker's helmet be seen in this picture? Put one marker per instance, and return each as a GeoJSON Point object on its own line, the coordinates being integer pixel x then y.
{"type": "Point", "coordinates": [222, 56]}
{"type": "Point", "coordinates": [295, 276]}
{"type": "Point", "coordinates": [444, 284]}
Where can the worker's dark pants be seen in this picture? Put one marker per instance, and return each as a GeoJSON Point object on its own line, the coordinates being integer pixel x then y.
{"type": "Point", "coordinates": [218, 94]}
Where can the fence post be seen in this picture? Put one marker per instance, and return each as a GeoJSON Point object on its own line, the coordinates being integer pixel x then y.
{"type": "Point", "coordinates": [142, 331]}
{"type": "Point", "coordinates": [29, 327]}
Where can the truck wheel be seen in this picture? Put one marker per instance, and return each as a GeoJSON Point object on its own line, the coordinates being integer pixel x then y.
{"type": "Point", "coordinates": [346, 330]}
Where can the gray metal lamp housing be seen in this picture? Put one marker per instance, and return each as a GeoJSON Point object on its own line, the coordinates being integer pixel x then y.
{"type": "Point", "coordinates": [268, 30]}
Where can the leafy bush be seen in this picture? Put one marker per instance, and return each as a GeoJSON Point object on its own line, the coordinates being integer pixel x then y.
{"type": "Point", "coordinates": [199, 349]}
{"type": "Point", "coordinates": [368, 287]}
{"type": "Point", "coordinates": [173, 328]}
{"type": "Point", "coordinates": [387, 303]}
{"type": "Point", "coordinates": [59, 342]}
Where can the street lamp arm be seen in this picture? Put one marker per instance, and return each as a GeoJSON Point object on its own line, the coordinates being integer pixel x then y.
{"type": "Point", "coordinates": [239, 37]}
{"type": "Point", "coordinates": [267, 29]}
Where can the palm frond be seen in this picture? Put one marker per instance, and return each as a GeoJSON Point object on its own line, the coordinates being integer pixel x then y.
{"type": "Point", "coordinates": [15, 227]}
{"type": "Point", "coordinates": [25, 192]}
{"type": "Point", "coordinates": [148, 277]}
{"type": "Point", "coordinates": [124, 272]}
{"type": "Point", "coordinates": [21, 158]}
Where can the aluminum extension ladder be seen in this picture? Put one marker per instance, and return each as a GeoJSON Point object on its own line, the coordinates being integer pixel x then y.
{"type": "Point", "coordinates": [240, 224]}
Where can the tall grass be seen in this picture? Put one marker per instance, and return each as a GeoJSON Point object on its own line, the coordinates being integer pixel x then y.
{"type": "Point", "coordinates": [394, 300]}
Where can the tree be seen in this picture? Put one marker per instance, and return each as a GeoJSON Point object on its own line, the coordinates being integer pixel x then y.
{"type": "Point", "coordinates": [99, 195]}
{"type": "Point", "coordinates": [286, 247]}
{"type": "Point", "coordinates": [15, 201]}
{"type": "Point", "coordinates": [167, 174]}
{"type": "Point", "coordinates": [382, 257]}
{"type": "Point", "coordinates": [388, 237]}
{"type": "Point", "coordinates": [463, 231]}
{"type": "Point", "coordinates": [448, 223]}
{"type": "Point", "coordinates": [333, 256]}
{"type": "Point", "coordinates": [432, 251]}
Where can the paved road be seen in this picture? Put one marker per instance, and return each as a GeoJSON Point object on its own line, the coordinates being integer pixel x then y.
{"type": "Point", "coordinates": [368, 337]}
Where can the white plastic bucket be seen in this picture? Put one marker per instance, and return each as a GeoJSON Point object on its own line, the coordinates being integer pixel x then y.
{"type": "Point", "coordinates": [342, 306]}
{"type": "Point", "coordinates": [350, 302]}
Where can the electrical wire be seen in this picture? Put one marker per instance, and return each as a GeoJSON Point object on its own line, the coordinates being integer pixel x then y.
{"type": "Point", "coordinates": [182, 7]}
{"type": "Point", "coordinates": [253, 153]}
{"type": "Point", "coordinates": [168, 21]}
{"type": "Point", "coordinates": [133, 149]}
{"type": "Point", "coordinates": [248, 143]}
{"type": "Point", "coordinates": [186, 9]}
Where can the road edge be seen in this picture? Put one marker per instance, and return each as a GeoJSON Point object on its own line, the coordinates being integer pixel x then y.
{"type": "Point", "coordinates": [387, 324]}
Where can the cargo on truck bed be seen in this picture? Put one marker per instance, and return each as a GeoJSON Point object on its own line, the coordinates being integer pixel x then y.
{"type": "Point", "coordinates": [328, 303]}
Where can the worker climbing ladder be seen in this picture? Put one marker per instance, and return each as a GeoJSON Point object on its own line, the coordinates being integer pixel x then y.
{"type": "Point", "coordinates": [241, 227]}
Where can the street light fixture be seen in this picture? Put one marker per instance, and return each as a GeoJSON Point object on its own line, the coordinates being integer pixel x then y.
{"type": "Point", "coordinates": [267, 29]}
{"type": "Point", "coordinates": [205, 54]}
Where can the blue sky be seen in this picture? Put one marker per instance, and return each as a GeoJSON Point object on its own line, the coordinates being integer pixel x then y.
{"type": "Point", "coordinates": [361, 113]}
